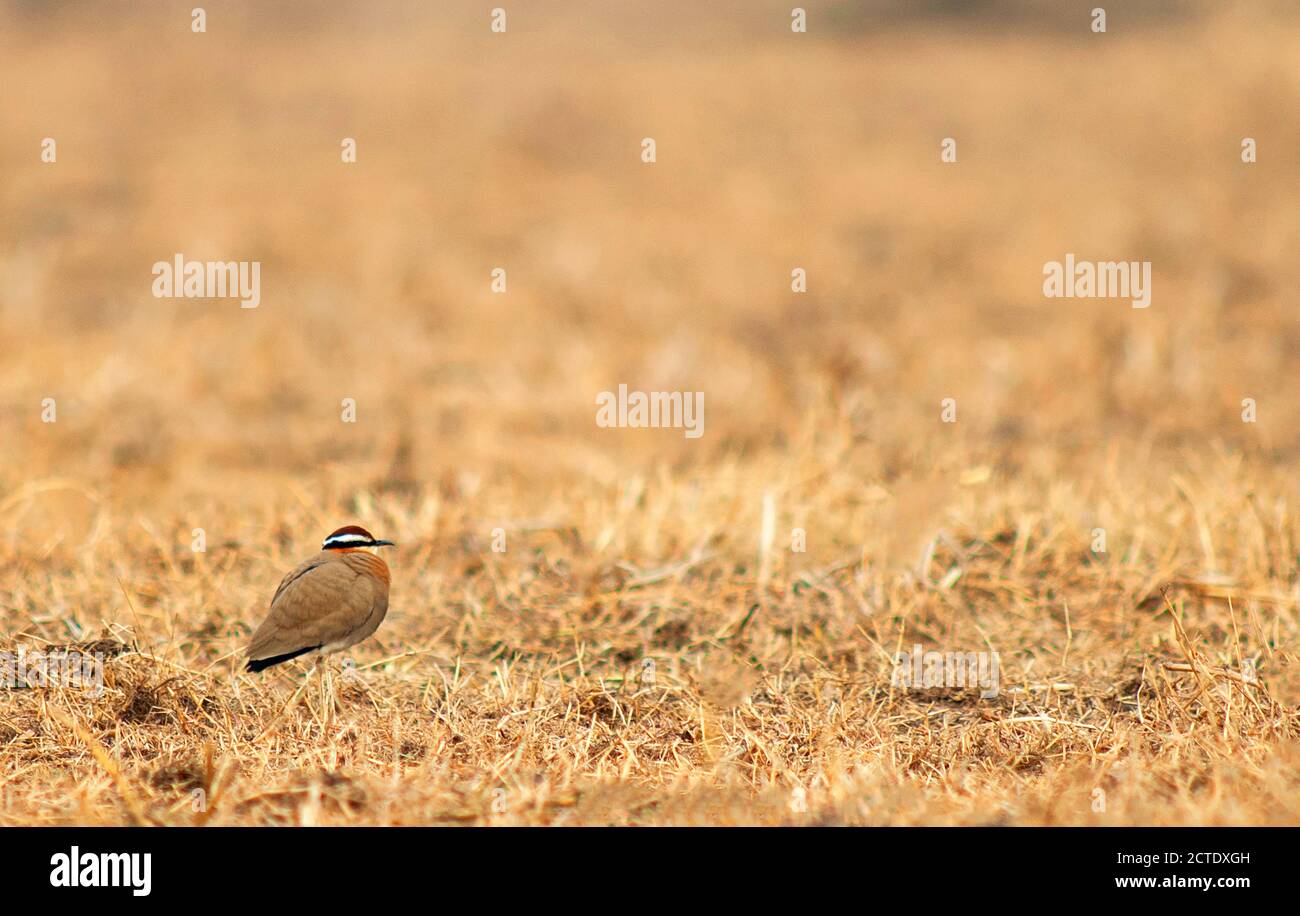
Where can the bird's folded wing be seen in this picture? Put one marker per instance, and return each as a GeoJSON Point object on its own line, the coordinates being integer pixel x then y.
{"type": "Point", "coordinates": [318, 603]}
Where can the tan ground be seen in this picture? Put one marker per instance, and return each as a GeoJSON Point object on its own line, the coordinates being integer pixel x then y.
{"type": "Point", "coordinates": [512, 687]}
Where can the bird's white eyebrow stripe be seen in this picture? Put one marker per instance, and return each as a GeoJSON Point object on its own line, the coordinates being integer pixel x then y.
{"type": "Point", "coordinates": [350, 538]}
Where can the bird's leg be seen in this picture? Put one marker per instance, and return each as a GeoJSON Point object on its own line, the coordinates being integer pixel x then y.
{"type": "Point", "coordinates": [329, 691]}
{"type": "Point", "coordinates": [328, 702]}
{"type": "Point", "coordinates": [320, 684]}
{"type": "Point", "coordinates": [319, 671]}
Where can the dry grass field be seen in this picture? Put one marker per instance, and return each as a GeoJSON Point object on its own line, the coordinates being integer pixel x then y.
{"type": "Point", "coordinates": [648, 648]}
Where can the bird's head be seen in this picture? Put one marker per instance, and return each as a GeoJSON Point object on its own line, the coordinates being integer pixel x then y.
{"type": "Point", "coordinates": [350, 537]}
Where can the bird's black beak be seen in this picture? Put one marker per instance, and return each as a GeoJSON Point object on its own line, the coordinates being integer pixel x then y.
{"type": "Point", "coordinates": [382, 544]}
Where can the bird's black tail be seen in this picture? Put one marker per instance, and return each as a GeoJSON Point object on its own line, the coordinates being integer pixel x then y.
{"type": "Point", "coordinates": [261, 664]}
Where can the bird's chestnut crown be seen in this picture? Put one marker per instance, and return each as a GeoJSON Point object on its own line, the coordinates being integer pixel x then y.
{"type": "Point", "coordinates": [350, 536]}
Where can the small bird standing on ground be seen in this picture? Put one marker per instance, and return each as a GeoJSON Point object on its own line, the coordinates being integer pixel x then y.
{"type": "Point", "coordinates": [328, 604]}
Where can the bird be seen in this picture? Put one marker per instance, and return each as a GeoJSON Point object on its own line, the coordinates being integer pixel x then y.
{"type": "Point", "coordinates": [329, 603]}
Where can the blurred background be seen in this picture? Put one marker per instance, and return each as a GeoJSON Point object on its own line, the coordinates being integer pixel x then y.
{"type": "Point", "coordinates": [522, 150]}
